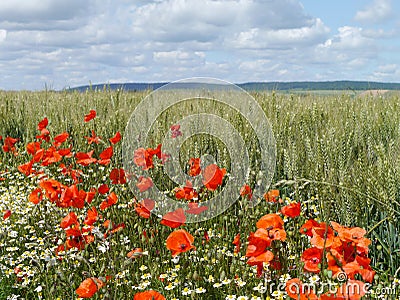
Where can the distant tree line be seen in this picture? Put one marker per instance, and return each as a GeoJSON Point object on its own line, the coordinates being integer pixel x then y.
{"type": "Point", "coordinates": [261, 86]}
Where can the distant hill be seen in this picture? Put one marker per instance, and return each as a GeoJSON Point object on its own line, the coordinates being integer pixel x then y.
{"type": "Point", "coordinates": [260, 86]}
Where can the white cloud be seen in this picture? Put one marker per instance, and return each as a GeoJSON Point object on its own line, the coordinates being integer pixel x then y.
{"type": "Point", "coordinates": [73, 42]}
{"type": "Point", "coordinates": [377, 12]}
{"type": "Point", "coordinates": [256, 38]}
{"type": "Point", "coordinates": [3, 35]}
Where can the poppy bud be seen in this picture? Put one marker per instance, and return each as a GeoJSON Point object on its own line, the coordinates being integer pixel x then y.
{"type": "Point", "coordinates": [195, 276]}
{"type": "Point", "coordinates": [222, 276]}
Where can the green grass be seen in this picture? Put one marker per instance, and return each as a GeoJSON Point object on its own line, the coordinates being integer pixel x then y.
{"type": "Point", "coordinates": [337, 154]}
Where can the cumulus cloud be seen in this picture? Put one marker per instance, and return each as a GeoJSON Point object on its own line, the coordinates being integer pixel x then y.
{"type": "Point", "coordinates": [378, 11]}
{"type": "Point", "coordinates": [72, 42]}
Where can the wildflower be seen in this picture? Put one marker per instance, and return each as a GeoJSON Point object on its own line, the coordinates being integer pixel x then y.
{"type": "Point", "coordinates": [117, 176]}
{"type": "Point", "coordinates": [90, 116]}
{"type": "Point", "coordinates": [110, 201]}
{"type": "Point", "coordinates": [148, 295]}
{"type": "Point", "coordinates": [186, 291]}
{"type": "Point", "coordinates": [169, 287]}
{"type": "Point", "coordinates": [144, 183]}
{"type": "Point", "coordinates": [144, 208]}
{"type": "Point", "coordinates": [135, 253]}
{"type": "Point", "coordinates": [200, 290]}
{"type": "Point", "coordinates": [143, 268]}
{"type": "Point", "coordinates": [116, 138]}
{"type": "Point", "coordinates": [89, 287]}
{"type": "Point", "coordinates": [179, 241]}
{"type": "Point", "coordinates": [175, 132]}
{"type": "Point", "coordinates": [194, 167]}
{"type": "Point", "coordinates": [312, 258]}
{"type": "Point", "coordinates": [213, 176]}
{"type": "Point", "coordinates": [93, 139]}
{"type": "Point", "coordinates": [271, 196]}
{"type": "Point", "coordinates": [144, 157]}
{"type": "Point", "coordinates": [292, 210]}
{"type": "Point", "coordinates": [105, 156]}
{"type": "Point", "coordinates": [236, 242]}
{"type": "Point", "coordinates": [187, 192]}
{"type": "Point", "coordinates": [195, 209]}
{"type": "Point", "coordinates": [246, 190]}
{"type": "Point", "coordinates": [174, 219]}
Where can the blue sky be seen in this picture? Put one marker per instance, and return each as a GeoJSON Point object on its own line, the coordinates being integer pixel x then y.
{"type": "Point", "coordinates": [66, 43]}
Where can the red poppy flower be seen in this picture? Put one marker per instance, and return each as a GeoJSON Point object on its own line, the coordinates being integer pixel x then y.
{"type": "Point", "coordinates": [324, 237]}
{"type": "Point", "coordinates": [292, 210]}
{"type": "Point", "coordinates": [246, 190]}
{"type": "Point", "coordinates": [187, 192]}
{"type": "Point", "coordinates": [90, 195]}
{"type": "Point", "coordinates": [26, 168]}
{"type": "Point", "coordinates": [91, 217]}
{"type": "Point", "coordinates": [7, 214]}
{"type": "Point", "coordinates": [353, 235]}
{"type": "Point", "coordinates": [206, 237]}
{"type": "Point", "coordinates": [180, 241]}
{"type": "Point", "coordinates": [175, 132]}
{"type": "Point", "coordinates": [105, 156]}
{"type": "Point", "coordinates": [85, 159]}
{"type": "Point", "coordinates": [144, 183]}
{"type": "Point", "coordinates": [271, 196]}
{"type": "Point", "coordinates": [148, 295]}
{"type": "Point", "coordinates": [366, 272]}
{"type": "Point", "coordinates": [236, 242]}
{"type": "Point", "coordinates": [89, 287]}
{"type": "Point", "coordinates": [135, 253]}
{"type": "Point", "coordinates": [61, 138]}
{"type": "Point", "coordinates": [115, 228]}
{"type": "Point", "coordinates": [43, 124]}
{"type": "Point", "coordinates": [53, 189]}
{"type": "Point", "coordinates": [270, 221]}
{"type": "Point", "coordinates": [116, 138]}
{"type": "Point", "coordinates": [264, 258]}
{"type": "Point", "coordinates": [90, 116]}
{"type": "Point", "coordinates": [174, 219]}
{"type": "Point", "coordinates": [195, 209]}
{"type": "Point", "coordinates": [51, 156]}
{"type": "Point", "coordinates": [69, 220]}
{"type": "Point", "coordinates": [93, 139]}
{"type": "Point", "coordinates": [307, 226]}
{"type": "Point", "coordinates": [213, 176]}
{"type": "Point", "coordinates": [66, 152]}
{"type": "Point", "coordinates": [103, 189]}
{"type": "Point", "coordinates": [144, 208]}
{"type": "Point", "coordinates": [32, 147]}
{"type": "Point", "coordinates": [312, 257]}
{"type": "Point", "coordinates": [36, 196]}
{"type": "Point", "coordinates": [117, 176]}
{"type": "Point", "coordinates": [44, 135]}
{"type": "Point", "coordinates": [144, 157]}
{"type": "Point", "coordinates": [72, 196]}
{"type": "Point", "coordinates": [9, 145]}
{"type": "Point", "coordinates": [111, 200]}
{"type": "Point", "coordinates": [273, 234]}
{"type": "Point", "coordinates": [194, 167]}
{"type": "Point", "coordinates": [256, 245]}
